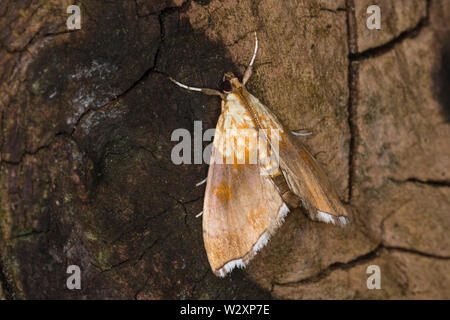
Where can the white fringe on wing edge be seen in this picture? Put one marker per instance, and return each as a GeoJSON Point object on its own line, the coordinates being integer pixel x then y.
{"type": "Point", "coordinates": [262, 241]}
{"type": "Point", "coordinates": [328, 218]}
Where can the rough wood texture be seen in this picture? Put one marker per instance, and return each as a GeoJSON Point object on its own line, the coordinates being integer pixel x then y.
{"type": "Point", "coordinates": [86, 120]}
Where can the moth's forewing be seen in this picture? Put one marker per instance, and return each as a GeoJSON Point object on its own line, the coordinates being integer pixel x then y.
{"type": "Point", "coordinates": [309, 181]}
{"type": "Point", "coordinates": [305, 177]}
{"type": "Point", "coordinates": [242, 208]}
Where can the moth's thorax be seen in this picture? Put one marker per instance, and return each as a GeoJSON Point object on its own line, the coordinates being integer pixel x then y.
{"type": "Point", "coordinates": [232, 100]}
{"type": "Point", "coordinates": [236, 84]}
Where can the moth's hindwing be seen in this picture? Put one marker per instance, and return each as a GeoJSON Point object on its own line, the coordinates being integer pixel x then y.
{"type": "Point", "coordinates": [304, 176]}
{"type": "Point", "coordinates": [242, 207]}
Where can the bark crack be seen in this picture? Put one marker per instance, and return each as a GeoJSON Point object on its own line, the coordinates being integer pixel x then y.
{"type": "Point", "coordinates": [183, 204]}
{"type": "Point", "coordinates": [26, 153]}
{"type": "Point", "coordinates": [136, 260]}
{"type": "Point", "coordinates": [386, 47]}
{"type": "Point", "coordinates": [153, 69]}
{"type": "Point", "coordinates": [37, 150]}
{"type": "Point", "coordinates": [169, 8]}
{"type": "Point", "coordinates": [429, 182]}
{"type": "Point", "coordinates": [29, 234]}
{"type": "Point", "coordinates": [416, 252]}
{"type": "Point", "coordinates": [336, 266]}
{"type": "Point", "coordinates": [352, 94]}
{"type": "Point", "coordinates": [359, 260]}
{"type": "Point", "coordinates": [337, 10]}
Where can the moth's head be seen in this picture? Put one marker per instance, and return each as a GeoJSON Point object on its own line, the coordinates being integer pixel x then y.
{"type": "Point", "coordinates": [230, 82]}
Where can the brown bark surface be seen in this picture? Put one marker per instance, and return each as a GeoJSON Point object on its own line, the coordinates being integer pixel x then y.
{"type": "Point", "coordinates": [86, 120]}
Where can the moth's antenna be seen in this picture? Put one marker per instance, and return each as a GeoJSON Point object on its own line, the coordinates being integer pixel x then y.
{"type": "Point", "coordinates": [210, 92]}
{"type": "Point", "coordinates": [255, 51]}
{"type": "Point", "coordinates": [184, 86]}
{"type": "Point", "coordinates": [248, 72]}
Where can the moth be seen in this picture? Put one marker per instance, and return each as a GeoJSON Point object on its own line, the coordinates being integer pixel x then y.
{"type": "Point", "coordinates": [245, 202]}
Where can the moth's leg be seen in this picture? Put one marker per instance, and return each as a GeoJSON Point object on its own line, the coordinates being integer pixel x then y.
{"type": "Point", "coordinates": [201, 182]}
{"type": "Point", "coordinates": [198, 215]}
{"type": "Point", "coordinates": [301, 134]}
{"type": "Point", "coordinates": [290, 198]}
{"type": "Point", "coordinates": [210, 92]}
{"type": "Point", "coordinates": [249, 70]}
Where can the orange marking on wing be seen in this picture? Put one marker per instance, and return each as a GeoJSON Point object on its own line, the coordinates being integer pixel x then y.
{"type": "Point", "coordinates": [223, 192]}
{"type": "Point", "coordinates": [254, 218]}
